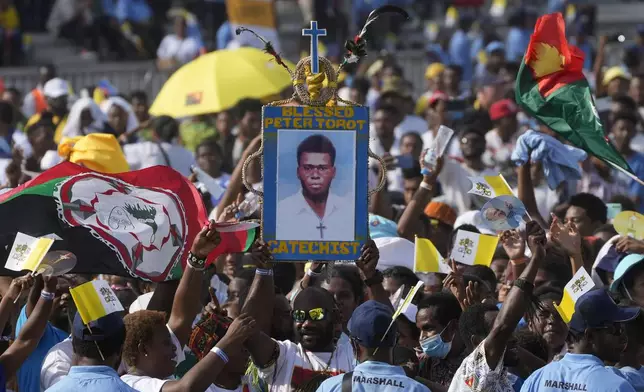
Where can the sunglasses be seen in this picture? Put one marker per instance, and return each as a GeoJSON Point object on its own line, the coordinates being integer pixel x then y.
{"type": "Point", "coordinates": [315, 314]}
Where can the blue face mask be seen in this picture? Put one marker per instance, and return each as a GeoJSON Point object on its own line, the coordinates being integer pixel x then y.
{"type": "Point", "coordinates": [436, 347]}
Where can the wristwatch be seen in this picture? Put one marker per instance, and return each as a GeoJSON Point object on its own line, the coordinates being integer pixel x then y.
{"type": "Point", "coordinates": [377, 278]}
{"type": "Point", "coordinates": [196, 262]}
{"type": "Point", "coordinates": [524, 286]}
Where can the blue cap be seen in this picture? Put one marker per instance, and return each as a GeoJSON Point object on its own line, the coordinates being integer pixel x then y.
{"type": "Point", "coordinates": [623, 267]}
{"type": "Point", "coordinates": [101, 329]}
{"type": "Point", "coordinates": [494, 46]}
{"type": "Point", "coordinates": [369, 323]}
{"type": "Point", "coordinates": [380, 227]}
{"type": "Point", "coordinates": [640, 29]}
{"type": "Point", "coordinates": [596, 309]}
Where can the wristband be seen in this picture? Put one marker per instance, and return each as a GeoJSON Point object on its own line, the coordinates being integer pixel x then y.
{"type": "Point", "coordinates": [196, 263]}
{"type": "Point", "coordinates": [427, 186]}
{"type": "Point", "coordinates": [524, 285]}
{"type": "Point", "coordinates": [47, 296]}
{"type": "Point", "coordinates": [519, 261]}
{"type": "Point", "coordinates": [264, 272]}
{"type": "Point", "coordinates": [220, 353]}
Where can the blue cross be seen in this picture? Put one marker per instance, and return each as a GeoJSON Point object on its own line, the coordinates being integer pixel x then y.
{"type": "Point", "coordinates": [314, 33]}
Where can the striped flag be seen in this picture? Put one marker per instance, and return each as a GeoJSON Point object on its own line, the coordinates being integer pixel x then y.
{"type": "Point", "coordinates": [579, 285]}
{"type": "Point", "coordinates": [474, 248]}
{"type": "Point", "coordinates": [257, 15]}
{"type": "Point", "coordinates": [490, 186]}
{"type": "Point", "coordinates": [95, 299]}
{"type": "Point", "coordinates": [428, 259]}
{"type": "Point", "coordinates": [27, 252]}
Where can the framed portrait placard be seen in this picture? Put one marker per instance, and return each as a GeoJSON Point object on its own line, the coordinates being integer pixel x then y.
{"type": "Point", "coordinates": [315, 182]}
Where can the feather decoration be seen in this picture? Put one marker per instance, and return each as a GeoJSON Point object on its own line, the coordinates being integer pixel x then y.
{"type": "Point", "coordinates": [268, 46]}
{"type": "Point", "coordinates": [357, 48]}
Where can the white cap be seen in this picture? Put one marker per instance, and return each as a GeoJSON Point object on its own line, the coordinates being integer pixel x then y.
{"type": "Point", "coordinates": [395, 251]}
{"type": "Point", "coordinates": [141, 303]}
{"type": "Point", "coordinates": [55, 88]}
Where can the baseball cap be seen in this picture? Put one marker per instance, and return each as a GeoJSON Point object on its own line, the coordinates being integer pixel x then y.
{"type": "Point", "coordinates": [494, 46]}
{"type": "Point", "coordinates": [394, 85]}
{"type": "Point", "coordinates": [368, 325]}
{"type": "Point", "coordinates": [613, 73]}
{"type": "Point", "coordinates": [596, 309]}
{"type": "Point", "coordinates": [380, 227]}
{"type": "Point", "coordinates": [101, 329]}
{"type": "Point", "coordinates": [55, 88]}
{"type": "Point", "coordinates": [503, 108]}
{"type": "Point", "coordinates": [433, 70]}
{"type": "Point", "coordinates": [437, 96]}
{"type": "Point", "coordinates": [442, 212]}
{"type": "Point", "coordinates": [627, 264]}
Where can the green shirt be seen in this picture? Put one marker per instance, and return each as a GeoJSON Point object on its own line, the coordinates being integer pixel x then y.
{"type": "Point", "coordinates": [194, 132]}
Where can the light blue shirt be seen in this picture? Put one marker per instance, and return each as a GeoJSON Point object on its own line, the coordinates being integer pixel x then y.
{"type": "Point", "coordinates": [516, 43]}
{"type": "Point", "coordinates": [91, 378]}
{"type": "Point", "coordinates": [375, 376]}
{"type": "Point", "coordinates": [459, 53]}
{"type": "Point", "coordinates": [224, 35]}
{"type": "Point", "coordinates": [136, 11]}
{"type": "Point", "coordinates": [29, 372]}
{"type": "Point", "coordinates": [576, 372]}
{"type": "Point", "coordinates": [634, 376]}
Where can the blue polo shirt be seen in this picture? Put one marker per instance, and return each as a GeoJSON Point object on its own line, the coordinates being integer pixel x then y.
{"type": "Point", "coordinates": [576, 372]}
{"type": "Point", "coordinates": [634, 376]}
{"type": "Point", "coordinates": [91, 378]}
{"type": "Point", "coordinates": [377, 377]}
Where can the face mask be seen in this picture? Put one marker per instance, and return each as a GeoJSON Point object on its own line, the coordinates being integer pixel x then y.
{"type": "Point", "coordinates": [436, 347]}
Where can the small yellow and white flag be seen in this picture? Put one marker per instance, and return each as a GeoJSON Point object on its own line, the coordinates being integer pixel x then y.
{"type": "Point", "coordinates": [27, 252]}
{"type": "Point", "coordinates": [95, 299]}
{"type": "Point", "coordinates": [579, 285]}
{"type": "Point", "coordinates": [405, 304]}
{"type": "Point", "coordinates": [498, 8]}
{"type": "Point", "coordinates": [571, 13]}
{"type": "Point", "coordinates": [474, 248]}
{"type": "Point", "coordinates": [428, 259]}
{"type": "Point", "coordinates": [451, 17]}
{"type": "Point", "coordinates": [490, 186]}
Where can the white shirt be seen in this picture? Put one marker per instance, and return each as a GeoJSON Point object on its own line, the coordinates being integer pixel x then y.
{"type": "Point", "coordinates": [183, 50]}
{"type": "Point", "coordinates": [298, 221]}
{"type": "Point", "coordinates": [294, 363]}
{"type": "Point", "coordinates": [147, 154]}
{"type": "Point", "coordinates": [474, 375]}
{"type": "Point", "coordinates": [456, 185]}
{"type": "Point", "coordinates": [498, 151]}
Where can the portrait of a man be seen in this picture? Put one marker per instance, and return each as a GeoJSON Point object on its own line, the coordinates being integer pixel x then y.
{"type": "Point", "coordinates": [315, 212]}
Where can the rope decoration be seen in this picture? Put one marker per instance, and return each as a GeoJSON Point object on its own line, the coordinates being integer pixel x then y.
{"type": "Point", "coordinates": [309, 88]}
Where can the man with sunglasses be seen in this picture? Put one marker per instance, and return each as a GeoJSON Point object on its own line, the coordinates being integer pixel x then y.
{"type": "Point", "coordinates": [315, 213]}
{"type": "Point", "coordinates": [596, 335]}
{"type": "Point", "coordinates": [373, 345]}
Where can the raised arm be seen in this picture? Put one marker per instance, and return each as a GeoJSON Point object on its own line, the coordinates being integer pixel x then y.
{"type": "Point", "coordinates": [517, 300]}
{"type": "Point", "coordinates": [568, 237]}
{"type": "Point", "coordinates": [8, 305]}
{"type": "Point", "coordinates": [526, 194]}
{"type": "Point", "coordinates": [409, 219]}
{"type": "Point", "coordinates": [236, 185]}
{"type": "Point", "coordinates": [187, 302]}
{"type": "Point", "coordinates": [206, 371]}
{"type": "Point", "coordinates": [31, 332]}
{"type": "Point", "coordinates": [367, 263]}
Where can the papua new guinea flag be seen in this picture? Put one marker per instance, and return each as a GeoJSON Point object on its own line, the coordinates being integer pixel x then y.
{"type": "Point", "coordinates": [140, 223]}
{"type": "Point", "coordinates": [551, 87]}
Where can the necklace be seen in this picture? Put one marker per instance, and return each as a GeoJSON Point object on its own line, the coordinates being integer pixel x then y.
{"type": "Point", "coordinates": [328, 364]}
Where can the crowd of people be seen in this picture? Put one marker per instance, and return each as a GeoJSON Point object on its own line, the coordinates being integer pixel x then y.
{"type": "Point", "coordinates": [249, 323]}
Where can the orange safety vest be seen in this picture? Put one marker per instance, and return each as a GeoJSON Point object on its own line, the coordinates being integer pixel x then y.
{"type": "Point", "coordinates": [39, 100]}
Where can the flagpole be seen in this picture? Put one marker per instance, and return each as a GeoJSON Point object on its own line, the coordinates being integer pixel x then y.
{"type": "Point", "coordinates": [631, 175]}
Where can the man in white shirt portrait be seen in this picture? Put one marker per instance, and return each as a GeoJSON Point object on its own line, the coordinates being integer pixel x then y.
{"type": "Point", "coordinates": [315, 213]}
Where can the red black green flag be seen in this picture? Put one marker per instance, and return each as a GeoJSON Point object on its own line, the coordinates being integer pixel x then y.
{"type": "Point", "coordinates": [139, 223]}
{"type": "Point", "coordinates": [552, 88]}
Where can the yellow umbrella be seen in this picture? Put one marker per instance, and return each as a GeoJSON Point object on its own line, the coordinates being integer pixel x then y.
{"type": "Point", "coordinates": [217, 81]}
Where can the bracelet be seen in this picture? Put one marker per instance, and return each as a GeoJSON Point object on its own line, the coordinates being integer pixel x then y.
{"type": "Point", "coordinates": [524, 285]}
{"type": "Point", "coordinates": [47, 296]}
{"type": "Point", "coordinates": [264, 272]}
{"type": "Point", "coordinates": [198, 264]}
{"type": "Point", "coordinates": [427, 186]}
{"type": "Point", "coordinates": [519, 261]}
{"type": "Point", "coordinates": [220, 353]}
